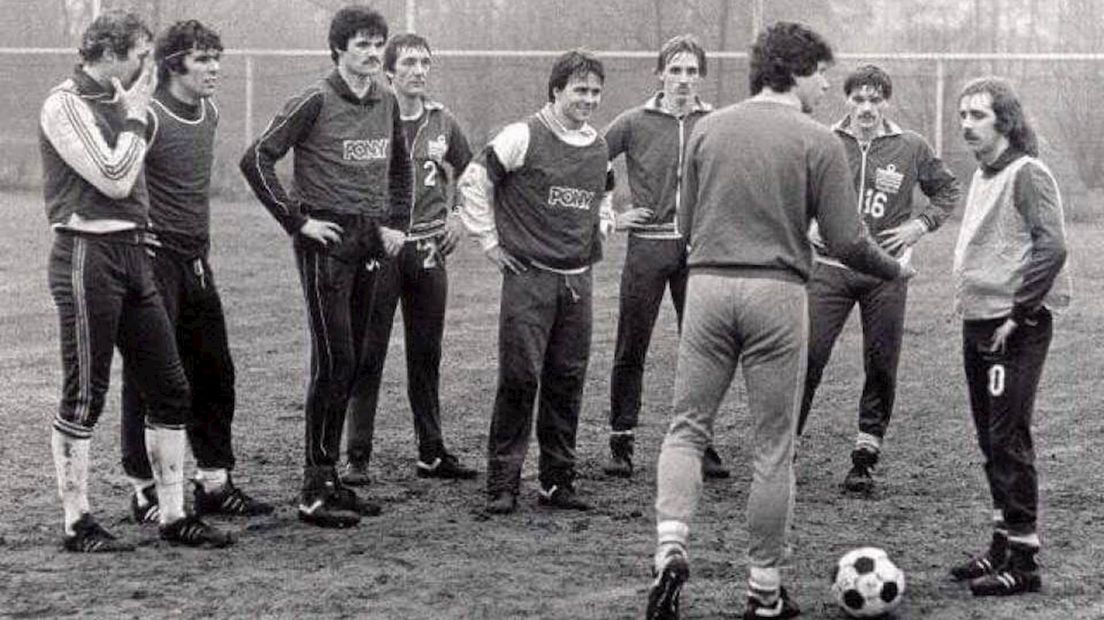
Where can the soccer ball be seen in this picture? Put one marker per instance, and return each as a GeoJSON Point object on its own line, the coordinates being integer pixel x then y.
{"type": "Point", "coordinates": [867, 583]}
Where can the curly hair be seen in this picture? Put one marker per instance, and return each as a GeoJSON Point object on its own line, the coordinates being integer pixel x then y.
{"type": "Point", "coordinates": [400, 42]}
{"type": "Point", "coordinates": [677, 45]}
{"type": "Point", "coordinates": [114, 30]}
{"type": "Point", "coordinates": [869, 75]}
{"type": "Point", "coordinates": [175, 42]}
{"type": "Point", "coordinates": [1011, 121]}
{"type": "Point", "coordinates": [351, 20]}
{"type": "Point", "coordinates": [783, 50]}
{"type": "Point", "coordinates": [573, 63]}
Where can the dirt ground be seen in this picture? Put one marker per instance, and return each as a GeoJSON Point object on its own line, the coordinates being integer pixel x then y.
{"type": "Point", "coordinates": [435, 554]}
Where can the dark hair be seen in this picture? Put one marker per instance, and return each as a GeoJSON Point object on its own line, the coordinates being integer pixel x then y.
{"type": "Point", "coordinates": [114, 30]}
{"type": "Point", "coordinates": [400, 42]}
{"type": "Point", "coordinates": [1011, 121]}
{"type": "Point", "coordinates": [573, 63]}
{"type": "Point", "coordinates": [350, 21]}
{"type": "Point", "coordinates": [174, 44]}
{"type": "Point", "coordinates": [869, 75]}
{"type": "Point", "coordinates": [677, 45]}
{"type": "Point", "coordinates": [783, 50]}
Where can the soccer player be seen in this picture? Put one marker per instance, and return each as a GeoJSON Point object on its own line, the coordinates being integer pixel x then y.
{"type": "Point", "coordinates": [417, 276]}
{"type": "Point", "coordinates": [652, 138]}
{"type": "Point", "coordinates": [178, 173]}
{"type": "Point", "coordinates": [351, 206]}
{"type": "Point", "coordinates": [537, 198]}
{"type": "Point", "coordinates": [887, 162]}
{"type": "Point", "coordinates": [746, 212]}
{"type": "Point", "coordinates": [92, 137]}
{"type": "Point", "coordinates": [1009, 276]}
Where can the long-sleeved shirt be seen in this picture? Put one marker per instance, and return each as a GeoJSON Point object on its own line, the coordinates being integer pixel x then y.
{"type": "Point", "coordinates": [1012, 244]}
{"type": "Point", "coordinates": [92, 156]}
{"type": "Point", "coordinates": [885, 171]}
{"type": "Point", "coordinates": [544, 232]}
{"type": "Point", "coordinates": [756, 173]}
{"type": "Point", "coordinates": [653, 141]}
{"type": "Point", "coordinates": [350, 156]}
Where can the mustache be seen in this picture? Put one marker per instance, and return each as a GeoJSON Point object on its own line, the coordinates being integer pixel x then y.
{"type": "Point", "coordinates": [969, 135]}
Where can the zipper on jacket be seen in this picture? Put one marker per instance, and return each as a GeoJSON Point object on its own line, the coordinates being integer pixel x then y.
{"type": "Point", "coordinates": [414, 167]}
{"type": "Point", "coordinates": [864, 148]}
{"type": "Point", "coordinates": [678, 172]}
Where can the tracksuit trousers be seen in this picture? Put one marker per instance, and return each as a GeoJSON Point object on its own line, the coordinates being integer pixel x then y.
{"type": "Point", "coordinates": [333, 277]}
{"type": "Point", "coordinates": [104, 290]}
{"type": "Point", "coordinates": [194, 309]}
{"type": "Point", "coordinates": [543, 349]}
{"type": "Point", "coordinates": [833, 292]}
{"type": "Point", "coordinates": [1002, 387]}
{"type": "Point", "coordinates": [651, 266]}
{"type": "Point", "coordinates": [761, 323]}
{"type": "Point", "coordinates": [418, 279]}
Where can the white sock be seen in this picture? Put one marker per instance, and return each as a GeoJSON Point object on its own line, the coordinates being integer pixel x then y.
{"type": "Point", "coordinates": [764, 584]}
{"type": "Point", "coordinates": [141, 485]}
{"type": "Point", "coordinates": [71, 462]}
{"type": "Point", "coordinates": [212, 480]}
{"type": "Point", "coordinates": [670, 534]}
{"type": "Point", "coordinates": [165, 447]}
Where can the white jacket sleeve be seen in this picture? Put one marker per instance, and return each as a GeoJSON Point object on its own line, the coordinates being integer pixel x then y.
{"type": "Point", "coordinates": [476, 185]}
{"type": "Point", "coordinates": [71, 129]}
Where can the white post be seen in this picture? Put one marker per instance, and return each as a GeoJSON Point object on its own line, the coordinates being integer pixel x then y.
{"type": "Point", "coordinates": [95, 9]}
{"type": "Point", "coordinates": [410, 15]}
{"type": "Point", "coordinates": [940, 86]}
{"type": "Point", "coordinates": [248, 100]}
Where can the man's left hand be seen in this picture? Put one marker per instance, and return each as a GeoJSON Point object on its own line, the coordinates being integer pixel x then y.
{"type": "Point", "coordinates": [1000, 336]}
{"type": "Point", "coordinates": [453, 232]}
{"type": "Point", "coordinates": [903, 236]}
{"type": "Point", "coordinates": [392, 239]}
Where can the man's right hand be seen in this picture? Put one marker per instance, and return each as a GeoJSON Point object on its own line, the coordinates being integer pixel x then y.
{"type": "Point", "coordinates": [631, 218]}
{"type": "Point", "coordinates": [135, 100]}
{"type": "Point", "coordinates": [504, 260]}
{"type": "Point", "coordinates": [321, 231]}
{"type": "Point", "coordinates": [907, 272]}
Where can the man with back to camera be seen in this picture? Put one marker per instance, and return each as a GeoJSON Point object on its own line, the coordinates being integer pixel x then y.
{"type": "Point", "coordinates": [1009, 277]}
{"type": "Point", "coordinates": [351, 206]}
{"type": "Point", "coordinates": [537, 199]}
{"type": "Point", "coordinates": [92, 135]}
{"type": "Point", "coordinates": [652, 137]}
{"type": "Point", "coordinates": [178, 174]}
{"type": "Point", "coordinates": [417, 276]}
{"type": "Point", "coordinates": [746, 214]}
{"type": "Point", "coordinates": [887, 162]}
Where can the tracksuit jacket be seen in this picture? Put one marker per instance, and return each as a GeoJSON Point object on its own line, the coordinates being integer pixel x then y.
{"type": "Point", "coordinates": [885, 171]}
{"type": "Point", "coordinates": [340, 154]}
{"type": "Point", "coordinates": [655, 172]}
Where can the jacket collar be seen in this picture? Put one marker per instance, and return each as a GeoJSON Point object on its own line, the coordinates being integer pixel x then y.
{"type": "Point", "coordinates": [1009, 155]}
{"type": "Point", "coordinates": [375, 88]}
{"type": "Point", "coordinates": [889, 128]}
{"type": "Point", "coordinates": [90, 88]}
{"type": "Point", "coordinates": [653, 104]}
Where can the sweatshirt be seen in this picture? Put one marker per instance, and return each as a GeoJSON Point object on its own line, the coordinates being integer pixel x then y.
{"type": "Point", "coordinates": [756, 173]}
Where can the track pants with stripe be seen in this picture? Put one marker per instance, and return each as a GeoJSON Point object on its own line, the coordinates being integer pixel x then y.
{"type": "Point", "coordinates": [194, 308]}
{"type": "Point", "coordinates": [1002, 387]}
{"type": "Point", "coordinates": [417, 279]}
{"type": "Point", "coordinates": [104, 290]}
{"type": "Point", "coordinates": [833, 292]}
{"type": "Point", "coordinates": [543, 349]}
{"type": "Point", "coordinates": [651, 266]}
{"type": "Point", "coordinates": [333, 278]}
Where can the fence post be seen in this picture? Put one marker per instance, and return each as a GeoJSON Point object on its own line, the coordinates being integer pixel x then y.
{"type": "Point", "coordinates": [248, 101]}
{"type": "Point", "coordinates": [940, 84]}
